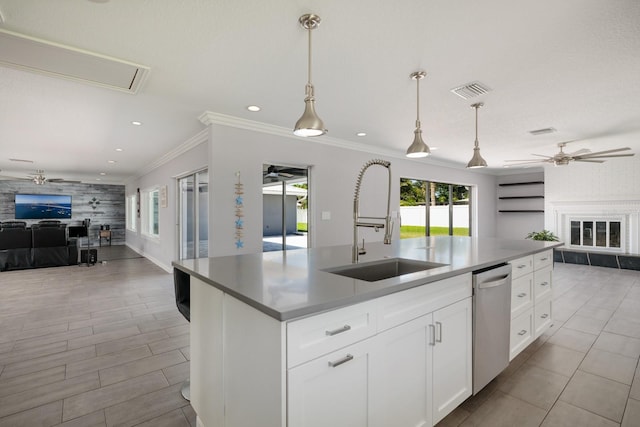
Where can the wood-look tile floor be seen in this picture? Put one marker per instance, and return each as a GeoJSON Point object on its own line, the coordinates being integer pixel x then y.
{"type": "Point", "coordinates": [583, 372]}
{"type": "Point", "coordinates": [92, 346]}
{"type": "Point", "coordinates": [105, 346]}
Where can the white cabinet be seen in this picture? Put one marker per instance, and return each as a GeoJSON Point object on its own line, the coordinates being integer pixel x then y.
{"type": "Point", "coordinates": [401, 390]}
{"type": "Point", "coordinates": [452, 358]}
{"type": "Point", "coordinates": [413, 372]}
{"type": "Point", "coordinates": [531, 304]}
{"type": "Point", "coordinates": [332, 390]}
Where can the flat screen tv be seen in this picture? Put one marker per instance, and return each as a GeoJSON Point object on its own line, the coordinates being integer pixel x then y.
{"type": "Point", "coordinates": [43, 206]}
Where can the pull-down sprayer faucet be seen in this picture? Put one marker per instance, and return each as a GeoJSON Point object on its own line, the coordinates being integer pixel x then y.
{"type": "Point", "coordinates": [357, 219]}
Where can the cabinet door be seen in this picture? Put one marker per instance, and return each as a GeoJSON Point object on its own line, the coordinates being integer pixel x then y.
{"type": "Point", "coordinates": [399, 379]}
{"type": "Point", "coordinates": [452, 358]}
{"type": "Point", "coordinates": [332, 390]}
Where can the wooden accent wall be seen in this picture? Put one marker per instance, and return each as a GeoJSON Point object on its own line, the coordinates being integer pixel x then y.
{"type": "Point", "coordinates": [110, 210]}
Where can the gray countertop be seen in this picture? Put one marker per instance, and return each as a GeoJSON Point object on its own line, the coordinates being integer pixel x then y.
{"type": "Point", "coordinates": [287, 285]}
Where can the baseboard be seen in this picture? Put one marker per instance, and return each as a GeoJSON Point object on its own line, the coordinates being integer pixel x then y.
{"type": "Point", "coordinates": [167, 268]}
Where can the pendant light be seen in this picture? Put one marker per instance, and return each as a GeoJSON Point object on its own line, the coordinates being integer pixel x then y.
{"type": "Point", "coordinates": [477, 161]}
{"type": "Point", "coordinates": [418, 148]}
{"type": "Point", "coordinates": [309, 124]}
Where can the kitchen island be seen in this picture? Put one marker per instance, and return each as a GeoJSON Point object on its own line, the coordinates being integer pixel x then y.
{"type": "Point", "coordinates": [277, 340]}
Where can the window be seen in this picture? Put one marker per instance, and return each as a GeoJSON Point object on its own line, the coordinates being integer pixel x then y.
{"type": "Point", "coordinates": [150, 213]}
{"type": "Point", "coordinates": [448, 212]}
{"type": "Point", "coordinates": [131, 212]}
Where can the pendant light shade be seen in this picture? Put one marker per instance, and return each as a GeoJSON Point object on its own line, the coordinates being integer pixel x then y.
{"type": "Point", "coordinates": [418, 148]}
{"type": "Point", "coordinates": [309, 124]}
{"type": "Point", "coordinates": [477, 161]}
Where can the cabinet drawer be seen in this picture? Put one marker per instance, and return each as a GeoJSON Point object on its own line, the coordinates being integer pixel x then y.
{"type": "Point", "coordinates": [542, 316]}
{"type": "Point", "coordinates": [543, 259]}
{"type": "Point", "coordinates": [521, 266]}
{"type": "Point", "coordinates": [542, 280]}
{"type": "Point", "coordinates": [314, 336]}
{"type": "Point", "coordinates": [404, 306]}
{"type": "Point", "coordinates": [521, 333]}
{"type": "Point", "coordinates": [521, 294]}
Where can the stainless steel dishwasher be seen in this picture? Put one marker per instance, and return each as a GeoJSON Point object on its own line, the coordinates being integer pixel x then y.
{"type": "Point", "coordinates": [491, 323]}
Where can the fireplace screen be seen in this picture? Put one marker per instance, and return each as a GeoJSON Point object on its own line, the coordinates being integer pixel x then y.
{"type": "Point", "coordinates": [600, 234]}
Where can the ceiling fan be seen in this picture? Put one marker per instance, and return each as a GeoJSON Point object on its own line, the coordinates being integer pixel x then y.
{"type": "Point", "coordinates": [582, 155]}
{"type": "Point", "coordinates": [273, 173]}
{"type": "Point", "coordinates": [39, 179]}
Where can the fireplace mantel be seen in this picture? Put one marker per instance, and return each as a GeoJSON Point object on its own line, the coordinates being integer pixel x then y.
{"type": "Point", "coordinates": [627, 211]}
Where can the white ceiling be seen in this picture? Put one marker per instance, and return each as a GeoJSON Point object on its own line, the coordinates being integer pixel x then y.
{"type": "Point", "coordinates": [572, 65]}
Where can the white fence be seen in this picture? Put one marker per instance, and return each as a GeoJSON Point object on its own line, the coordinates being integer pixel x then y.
{"type": "Point", "coordinates": [439, 216]}
{"type": "Point", "coordinates": [415, 215]}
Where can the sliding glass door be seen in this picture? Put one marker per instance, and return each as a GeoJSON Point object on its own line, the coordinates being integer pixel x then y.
{"type": "Point", "coordinates": [193, 217]}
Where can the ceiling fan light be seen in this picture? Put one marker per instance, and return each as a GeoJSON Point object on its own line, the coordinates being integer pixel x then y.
{"type": "Point", "coordinates": [309, 123]}
{"type": "Point", "coordinates": [418, 148]}
{"type": "Point", "coordinates": [477, 161]}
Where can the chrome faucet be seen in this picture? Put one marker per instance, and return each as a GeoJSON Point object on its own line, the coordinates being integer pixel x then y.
{"type": "Point", "coordinates": [358, 220]}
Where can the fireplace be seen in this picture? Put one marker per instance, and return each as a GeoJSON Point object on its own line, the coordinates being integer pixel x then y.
{"type": "Point", "coordinates": [603, 226]}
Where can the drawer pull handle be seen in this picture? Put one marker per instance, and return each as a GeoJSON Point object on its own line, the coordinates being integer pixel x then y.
{"type": "Point", "coordinates": [345, 328]}
{"type": "Point", "coordinates": [438, 332]}
{"type": "Point", "coordinates": [544, 316]}
{"type": "Point", "coordinates": [544, 283]}
{"type": "Point", "coordinates": [339, 362]}
{"type": "Point", "coordinates": [522, 265]}
{"type": "Point", "coordinates": [544, 259]}
{"type": "Point", "coordinates": [522, 295]}
{"type": "Point", "coordinates": [522, 332]}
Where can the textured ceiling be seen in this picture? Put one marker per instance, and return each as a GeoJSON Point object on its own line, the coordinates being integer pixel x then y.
{"type": "Point", "coordinates": [572, 65]}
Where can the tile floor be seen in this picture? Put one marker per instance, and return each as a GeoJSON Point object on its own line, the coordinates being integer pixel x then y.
{"type": "Point", "coordinates": [105, 346]}
{"type": "Point", "coordinates": [583, 372]}
{"type": "Point", "coordinates": [92, 346]}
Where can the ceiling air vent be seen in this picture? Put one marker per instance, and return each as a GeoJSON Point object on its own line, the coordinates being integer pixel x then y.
{"type": "Point", "coordinates": [56, 60]}
{"type": "Point", "coordinates": [470, 90]}
{"type": "Point", "coordinates": [542, 131]}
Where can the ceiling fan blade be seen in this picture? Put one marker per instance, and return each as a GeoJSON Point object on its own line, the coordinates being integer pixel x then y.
{"type": "Point", "coordinates": [541, 155]}
{"type": "Point", "coordinates": [529, 160]}
{"type": "Point", "coordinates": [63, 180]}
{"type": "Point", "coordinates": [606, 156]}
{"type": "Point", "coordinates": [615, 150]}
{"type": "Point", "coordinates": [590, 161]}
{"type": "Point", "coordinates": [579, 152]}
{"type": "Point", "coordinates": [15, 177]}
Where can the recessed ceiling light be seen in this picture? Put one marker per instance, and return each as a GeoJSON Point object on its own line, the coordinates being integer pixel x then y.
{"type": "Point", "coordinates": [111, 161]}
{"type": "Point", "coordinates": [433, 148]}
{"type": "Point", "coordinates": [102, 173]}
{"type": "Point", "coordinates": [119, 149]}
{"type": "Point", "coordinates": [98, 179]}
{"type": "Point", "coordinates": [253, 108]}
{"type": "Point", "coordinates": [136, 123]}
{"type": "Point", "coordinates": [361, 134]}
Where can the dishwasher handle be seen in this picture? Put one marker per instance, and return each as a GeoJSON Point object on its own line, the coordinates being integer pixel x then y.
{"type": "Point", "coordinates": [494, 283]}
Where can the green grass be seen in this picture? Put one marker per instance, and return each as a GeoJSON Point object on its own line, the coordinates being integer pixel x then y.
{"type": "Point", "coordinates": [408, 231]}
{"type": "Point", "coordinates": [302, 226]}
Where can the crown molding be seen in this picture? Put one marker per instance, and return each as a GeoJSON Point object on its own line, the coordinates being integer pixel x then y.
{"type": "Point", "coordinates": [194, 141]}
{"type": "Point", "coordinates": [209, 118]}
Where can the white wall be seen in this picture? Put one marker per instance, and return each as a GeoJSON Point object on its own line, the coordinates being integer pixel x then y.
{"type": "Point", "coordinates": [517, 225]}
{"type": "Point", "coordinates": [332, 181]}
{"type": "Point", "coordinates": [607, 188]}
{"type": "Point", "coordinates": [163, 250]}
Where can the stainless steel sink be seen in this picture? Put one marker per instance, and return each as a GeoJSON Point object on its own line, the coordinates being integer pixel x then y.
{"type": "Point", "coordinates": [385, 269]}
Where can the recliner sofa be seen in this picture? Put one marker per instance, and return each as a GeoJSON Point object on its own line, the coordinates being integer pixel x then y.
{"type": "Point", "coordinates": [42, 245]}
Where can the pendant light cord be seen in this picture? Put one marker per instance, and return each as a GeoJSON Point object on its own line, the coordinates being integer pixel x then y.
{"type": "Point", "coordinates": [476, 142]}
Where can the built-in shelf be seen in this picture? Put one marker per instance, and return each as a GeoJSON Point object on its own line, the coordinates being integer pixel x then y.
{"type": "Point", "coordinates": [508, 184]}
{"type": "Point", "coordinates": [520, 197]}
{"type": "Point", "coordinates": [522, 210]}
